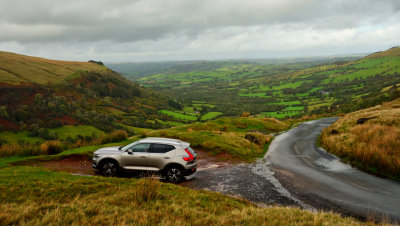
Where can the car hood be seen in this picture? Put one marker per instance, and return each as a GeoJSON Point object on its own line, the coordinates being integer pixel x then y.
{"type": "Point", "coordinates": [108, 150]}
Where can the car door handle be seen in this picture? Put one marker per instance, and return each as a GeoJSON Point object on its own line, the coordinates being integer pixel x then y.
{"type": "Point", "coordinates": [143, 157]}
{"type": "Point", "coordinates": [167, 157]}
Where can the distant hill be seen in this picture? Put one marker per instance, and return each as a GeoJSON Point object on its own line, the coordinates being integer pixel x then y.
{"type": "Point", "coordinates": [392, 52]}
{"type": "Point", "coordinates": [21, 69]}
{"type": "Point", "coordinates": [134, 71]}
{"type": "Point", "coordinates": [41, 93]}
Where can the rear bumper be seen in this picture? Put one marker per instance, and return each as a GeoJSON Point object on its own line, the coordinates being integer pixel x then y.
{"type": "Point", "coordinates": [190, 171]}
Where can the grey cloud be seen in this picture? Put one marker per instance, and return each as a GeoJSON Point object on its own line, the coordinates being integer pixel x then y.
{"type": "Point", "coordinates": [178, 28]}
{"type": "Point", "coordinates": [152, 19]}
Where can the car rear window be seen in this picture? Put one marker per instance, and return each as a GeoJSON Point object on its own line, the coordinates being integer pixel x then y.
{"type": "Point", "coordinates": [161, 148]}
{"type": "Point", "coordinates": [191, 150]}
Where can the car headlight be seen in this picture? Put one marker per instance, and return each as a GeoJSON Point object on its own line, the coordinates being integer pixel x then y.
{"type": "Point", "coordinates": [97, 156]}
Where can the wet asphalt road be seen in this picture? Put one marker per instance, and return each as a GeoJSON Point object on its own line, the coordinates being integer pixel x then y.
{"type": "Point", "coordinates": [240, 181]}
{"type": "Point", "coordinates": [294, 172]}
{"type": "Point", "coordinates": [321, 179]}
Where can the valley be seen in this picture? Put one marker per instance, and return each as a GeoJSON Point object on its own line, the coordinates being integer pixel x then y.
{"type": "Point", "coordinates": [278, 89]}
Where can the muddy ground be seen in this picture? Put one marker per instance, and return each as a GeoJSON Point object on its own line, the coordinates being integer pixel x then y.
{"type": "Point", "coordinates": [214, 174]}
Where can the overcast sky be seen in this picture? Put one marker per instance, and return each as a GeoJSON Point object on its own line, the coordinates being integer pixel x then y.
{"type": "Point", "coordinates": [146, 30]}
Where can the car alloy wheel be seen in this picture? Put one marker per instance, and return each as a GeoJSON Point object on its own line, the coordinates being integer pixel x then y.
{"type": "Point", "coordinates": [109, 169]}
{"type": "Point", "coordinates": [174, 175]}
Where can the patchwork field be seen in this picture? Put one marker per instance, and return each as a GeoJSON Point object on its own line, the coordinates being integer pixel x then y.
{"type": "Point", "coordinates": [278, 89]}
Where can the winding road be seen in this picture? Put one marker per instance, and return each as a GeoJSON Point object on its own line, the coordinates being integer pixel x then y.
{"type": "Point", "coordinates": [321, 179]}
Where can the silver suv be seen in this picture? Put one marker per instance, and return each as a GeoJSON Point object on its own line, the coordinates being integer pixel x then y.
{"type": "Point", "coordinates": [173, 158]}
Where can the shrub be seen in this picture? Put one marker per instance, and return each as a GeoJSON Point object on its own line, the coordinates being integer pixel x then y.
{"type": "Point", "coordinates": [51, 147]}
{"type": "Point", "coordinates": [115, 136]}
{"type": "Point", "coordinates": [7, 150]}
{"type": "Point", "coordinates": [245, 114]}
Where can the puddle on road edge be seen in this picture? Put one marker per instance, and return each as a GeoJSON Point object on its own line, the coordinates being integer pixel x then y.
{"type": "Point", "coordinates": [261, 168]}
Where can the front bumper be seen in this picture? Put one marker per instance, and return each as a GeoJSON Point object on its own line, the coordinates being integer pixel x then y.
{"type": "Point", "coordinates": [95, 163]}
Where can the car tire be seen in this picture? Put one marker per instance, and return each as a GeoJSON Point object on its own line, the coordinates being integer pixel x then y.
{"type": "Point", "coordinates": [109, 169]}
{"type": "Point", "coordinates": [174, 174]}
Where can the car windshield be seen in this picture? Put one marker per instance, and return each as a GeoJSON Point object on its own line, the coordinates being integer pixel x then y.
{"type": "Point", "coordinates": [124, 148]}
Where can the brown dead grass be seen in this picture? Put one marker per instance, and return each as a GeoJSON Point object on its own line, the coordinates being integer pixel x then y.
{"type": "Point", "coordinates": [16, 68]}
{"type": "Point", "coordinates": [374, 145]}
{"type": "Point", "coordinates": [36, 196]}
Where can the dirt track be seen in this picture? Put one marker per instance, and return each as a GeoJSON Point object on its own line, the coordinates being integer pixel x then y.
{"type": "Point", "coordinates": [238, 180]}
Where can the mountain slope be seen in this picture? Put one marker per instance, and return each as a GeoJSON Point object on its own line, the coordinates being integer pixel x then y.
{"type": "Point", "coordinates": [17, 69]}
{"type": "Point", "coordinates": [41, 93]}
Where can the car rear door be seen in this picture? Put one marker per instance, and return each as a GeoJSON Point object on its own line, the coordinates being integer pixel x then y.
{"type": "Point", "coordinates": [136, 157]}
{"type": "Point", "coordinates": [159, 156]}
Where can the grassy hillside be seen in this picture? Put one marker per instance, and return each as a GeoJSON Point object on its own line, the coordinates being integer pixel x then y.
{"type": "Point", "coordinates": [280, 90]}
{"type": "Point", "coordinates": [20, 69]}
{"type": "Point", "coordinates": [373, 145]}
{"type": "Point", "coordinates": [43, 99]}
{"type": "Point", "coordinates": [240, 139]}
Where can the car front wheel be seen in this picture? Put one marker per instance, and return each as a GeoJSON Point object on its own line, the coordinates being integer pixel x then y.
{"type": "Point", "coordinates": [174, 174]}
{"type": "Point", "coordinates": [109, 169]}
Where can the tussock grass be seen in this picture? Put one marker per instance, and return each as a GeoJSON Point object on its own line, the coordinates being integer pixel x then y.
{"type": "Point", "coordinates": [7, 150]}
{"type": "Point", "coordinates": [36, 196]}
{"type": "Point", "coordinates": [51, 147]}
{"type": "Point", "coordinates": [115, 136]}
{"type": "Point", "coordinates": [147, 190]}
{"type": "Point", "coordinates": [372, 146]}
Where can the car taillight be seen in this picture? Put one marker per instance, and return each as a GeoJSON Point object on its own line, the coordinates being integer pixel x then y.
{"type": "Point", "coordinates": [190, 158]}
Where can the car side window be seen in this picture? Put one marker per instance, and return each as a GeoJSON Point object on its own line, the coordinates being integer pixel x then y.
{"type": "Point", "coordinates": [169, 148]}
{"type": "Point", "coordinates": [140, 148]}
{"type": "Point", "coordinates": [161, 148]}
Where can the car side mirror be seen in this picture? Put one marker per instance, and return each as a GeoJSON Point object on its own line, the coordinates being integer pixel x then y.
{"type": "Point", "coordinates": [130, 152]}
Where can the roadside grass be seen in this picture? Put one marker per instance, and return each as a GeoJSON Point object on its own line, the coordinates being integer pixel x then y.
{"type": "Point", "coordinates": [373, 146]}
{"type": "Point", "coordinates": [37, 196]}
{"type": "Point", "coordinates": [225, 136]}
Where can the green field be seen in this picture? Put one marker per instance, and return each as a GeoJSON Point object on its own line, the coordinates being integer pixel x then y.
{"type": "Point", "coordinates": [210, 115]}
{"type": "Point", "coordinates": [11, 137]}
{"type": "Point", "coordinates": [74, 131]}
{"type": "Point", "coordinates": [186, 117]}
{"type": "Point", "coordinates": [283, 88]}
{"type": "Point", "coordinates": [278, 115]}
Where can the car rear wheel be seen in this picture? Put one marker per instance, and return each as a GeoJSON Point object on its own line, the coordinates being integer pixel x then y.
{"type": "Point", "coordinates": [174, 174]}
{"type": "Point", "coordinates": [109, 169]}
